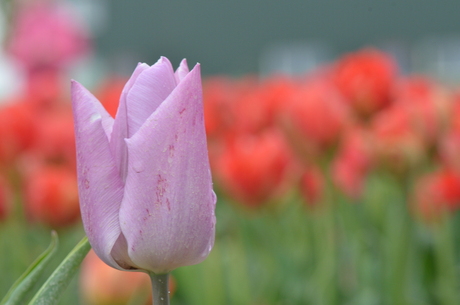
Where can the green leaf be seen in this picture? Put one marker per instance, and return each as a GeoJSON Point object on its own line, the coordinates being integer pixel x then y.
{"type": "Point", "coordinates": [27, 280]}
{"type": "Point", "coordinates": [50, 292]}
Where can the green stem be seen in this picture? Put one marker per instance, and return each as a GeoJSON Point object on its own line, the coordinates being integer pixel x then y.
{"type": "Point", "coordinates": [160, 288]}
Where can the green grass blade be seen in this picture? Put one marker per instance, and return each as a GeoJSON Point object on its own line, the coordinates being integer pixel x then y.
{"type": "Point", "coordinates": [27, 280]}
{"type": "Point", "coordinates": [50, 292]}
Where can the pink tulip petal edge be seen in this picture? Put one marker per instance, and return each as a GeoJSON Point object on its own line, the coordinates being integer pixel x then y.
{"type": "Point", "coordinates": [144, 178]}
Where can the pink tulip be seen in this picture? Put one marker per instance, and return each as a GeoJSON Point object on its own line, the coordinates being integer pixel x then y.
{"type": "Point", "coordinates": [46, 34]}
{"type": "Point", "coordinates": [144, 179]}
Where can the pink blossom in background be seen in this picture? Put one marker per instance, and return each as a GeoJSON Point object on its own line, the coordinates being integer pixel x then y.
{"type": "Point", "coordinates": [45, 33]}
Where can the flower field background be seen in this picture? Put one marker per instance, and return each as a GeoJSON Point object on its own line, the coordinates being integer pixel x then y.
{"type": "Point", "coordinates": [340, 186]}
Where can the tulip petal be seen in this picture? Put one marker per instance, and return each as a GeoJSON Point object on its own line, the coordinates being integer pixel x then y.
{"type": "Point", "coordinates": [167, 212]}
{"type": "Point", "coordinates": [99, 184]}
{"type": "Point", "coordinates": [151, 88]}
{"type": "Point", "coordinates": [99, 111]}
{"type": "Point", "coordinates": [120, 126]}
{"type": "Point", "coordinates": [182, 71]}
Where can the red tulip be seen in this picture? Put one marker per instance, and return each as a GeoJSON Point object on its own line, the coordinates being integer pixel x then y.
{"type": "Point", "coordinates": [17, 130]}
{"type": "Point", "coordinates": [221, 97]}
{"type": "Point", "coordinates": [259, 108]}
{"type": "Point", "coordinates": [312, 186]}
{"type": "Point", "coordinates": [436, 193]}
{"type": "Point", "coordinates": [109, 94]}
{"type": "Point", "coordinates": [352, 163]}
{"type": "Point", "coordinates": [396, 143]}
{"type": "Point", "coordinates": [254, 168]}
{"type": "Point", "coordinates": [51, 196]}
{"type": "Point", "coordinates": [365, 78]}
{"type": "Point", "coordinates": [427, 104]}
{"type": "Point", "coordinates": [314, 117]}
{"type": "Point", "coordinates": [250, 111]}
{"type": "Point", "coordinates": [275, 92]}
{"type": "Point", "coordinates": [55, 139]}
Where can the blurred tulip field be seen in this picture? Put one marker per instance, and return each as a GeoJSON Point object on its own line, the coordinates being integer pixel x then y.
{"type": "Point", "coordinates": [339, 186]}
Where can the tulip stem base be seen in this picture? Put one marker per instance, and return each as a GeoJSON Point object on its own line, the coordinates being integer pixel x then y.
{"type": "Point", "coordinates": [160, 288]}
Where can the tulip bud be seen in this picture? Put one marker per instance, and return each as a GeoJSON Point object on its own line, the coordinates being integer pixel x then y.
{"type": "Point", "coordinates": [144, 179]}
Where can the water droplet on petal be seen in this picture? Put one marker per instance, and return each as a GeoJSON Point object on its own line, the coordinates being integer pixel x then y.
{"type": "Point", "coordinates": [94, 117]}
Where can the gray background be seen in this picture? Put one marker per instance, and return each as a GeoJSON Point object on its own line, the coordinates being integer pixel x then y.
{"type": "Point", "coordinates": [230, 36]}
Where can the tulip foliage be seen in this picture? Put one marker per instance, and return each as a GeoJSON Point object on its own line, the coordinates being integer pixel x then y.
{"type": "Point", "coordinates": [340, 186]}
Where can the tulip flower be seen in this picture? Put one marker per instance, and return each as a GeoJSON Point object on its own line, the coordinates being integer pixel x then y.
{"type": "Point", "coordinates": [144, 178]}
{"type": "Point", "coordinates": [46, 33]}
{"type": "Point", "coordinates": [436, 193]}
{"type": "Point", "coordinates": [51, 196]}
{"type": "Point", "coordinates": [365, 78]}
{"type": "Point", "coordinates": [255, 169]}
{"type": "Point", "coordinates": [314, 117]}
